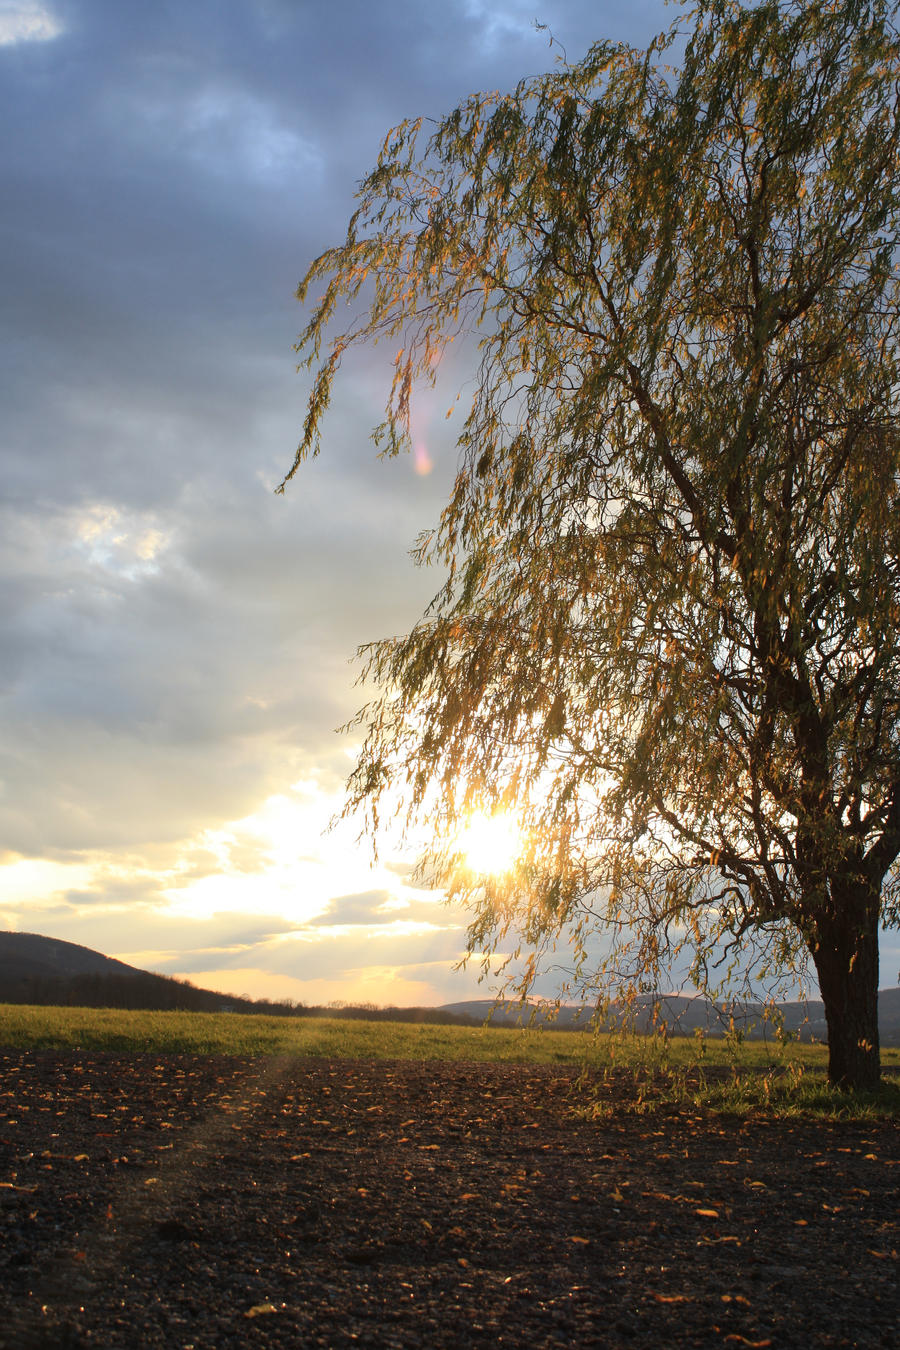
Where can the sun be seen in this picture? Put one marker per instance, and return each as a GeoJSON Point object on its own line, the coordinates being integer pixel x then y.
{"type": "Point", "coordinates": [491, 843]}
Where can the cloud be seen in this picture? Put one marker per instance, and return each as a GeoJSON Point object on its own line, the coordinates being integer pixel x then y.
{"type": "Point", "coordinates": [27, 21]}
{"type": "Point", "coordinates": [114, 893]}
{"type": "Point", "coordinates": [371, 907]}
{"type": "Point", "coordinates": [219, 128]}
{"type": "Point", "coordinates": [401, 868]}
{"type": "Point", "coordinates": [498, 23]}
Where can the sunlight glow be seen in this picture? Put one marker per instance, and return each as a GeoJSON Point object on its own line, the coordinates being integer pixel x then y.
{"type": "Point", "coordinates": [491, 844]}
{"type": "Point", "coordinates": [123, 543]}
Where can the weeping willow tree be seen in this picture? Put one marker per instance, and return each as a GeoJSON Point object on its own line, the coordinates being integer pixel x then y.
{"type": "Point", "coordinates": [669, 631]}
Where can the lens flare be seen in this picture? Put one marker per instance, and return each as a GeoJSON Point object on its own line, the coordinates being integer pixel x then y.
{"type": "Point", "coordinates": [422, 461]}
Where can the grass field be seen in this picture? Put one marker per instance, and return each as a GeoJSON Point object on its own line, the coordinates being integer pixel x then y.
{"type": "Point", "coordinates": [782, 1077]}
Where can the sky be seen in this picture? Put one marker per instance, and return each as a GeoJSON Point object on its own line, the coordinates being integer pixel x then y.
{"type": "Point", "coordinates": [177, 640]}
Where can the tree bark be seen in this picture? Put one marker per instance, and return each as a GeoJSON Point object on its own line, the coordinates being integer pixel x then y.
{"type": "Point", "coordinates": [845, 953]}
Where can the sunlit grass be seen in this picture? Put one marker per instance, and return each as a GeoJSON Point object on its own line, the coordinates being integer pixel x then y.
{"type": "Point", "coordinates": [619, 1072]}
{"type": "Point", "coordinates": [794, 1086]}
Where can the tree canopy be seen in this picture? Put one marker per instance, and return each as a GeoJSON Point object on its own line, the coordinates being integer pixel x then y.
{"type": "Point", "coordinates": [669, 636]}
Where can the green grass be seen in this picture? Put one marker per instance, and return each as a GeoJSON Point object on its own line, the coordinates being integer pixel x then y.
{"type": "Point", "coordinates": [37, 1028]}
{"type": "Point", "coordinates": [621, 1072]}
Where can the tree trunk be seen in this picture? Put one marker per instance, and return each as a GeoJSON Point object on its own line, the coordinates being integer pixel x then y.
{"type": "Point", "coordinates": [845, 953]}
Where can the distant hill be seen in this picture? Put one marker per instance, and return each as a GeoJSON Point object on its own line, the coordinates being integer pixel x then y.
{"type": "Point", "coordinates": [42, 970]}
{"type": "Point", "coordinates": [29, 956]}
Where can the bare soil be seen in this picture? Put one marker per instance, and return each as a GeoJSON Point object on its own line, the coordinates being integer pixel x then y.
{"type": "Point", "coordinates": [197, 1201]}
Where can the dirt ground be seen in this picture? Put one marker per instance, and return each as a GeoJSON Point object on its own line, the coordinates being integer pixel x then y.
{"type": "Point", "coordinates": [196, 1201]}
